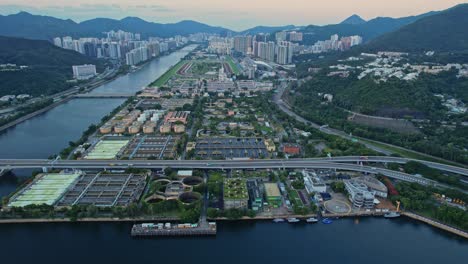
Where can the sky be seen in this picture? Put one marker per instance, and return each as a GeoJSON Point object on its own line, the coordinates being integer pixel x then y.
{"type": "Point", "coordinates": [233, 14]}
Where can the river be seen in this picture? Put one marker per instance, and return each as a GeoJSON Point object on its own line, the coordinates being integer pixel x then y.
{"type": "Point", "coordinates": [371, 240]}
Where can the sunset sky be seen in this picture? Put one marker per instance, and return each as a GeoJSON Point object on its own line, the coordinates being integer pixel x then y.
{"type": "Point", "coordinates": [237, 15]}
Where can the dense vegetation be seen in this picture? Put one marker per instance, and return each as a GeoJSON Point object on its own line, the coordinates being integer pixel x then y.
{"type": "Point", "coordinates": [421, 199]}
{"type": "Point", "coordinates": [445, 31]}
{"type": "Point", "coordinates": [394, 98]}
{"type": "Point", "coordinates": [49, 67]}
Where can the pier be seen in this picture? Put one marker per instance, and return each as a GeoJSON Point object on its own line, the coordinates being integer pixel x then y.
{"type": "Point", "coordinates": [439, 225]}
{"type": "Point", "coordinates": [152, 230]}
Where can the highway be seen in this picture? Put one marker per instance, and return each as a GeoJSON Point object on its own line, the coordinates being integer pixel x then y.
{"type": "Point", "coordinates": [203, 164]}
{"type": "Point", "coordinates": [226, 164]}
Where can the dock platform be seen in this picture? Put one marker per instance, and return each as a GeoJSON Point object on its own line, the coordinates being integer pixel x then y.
{"type": "Point", "coordinates": [153, 230]}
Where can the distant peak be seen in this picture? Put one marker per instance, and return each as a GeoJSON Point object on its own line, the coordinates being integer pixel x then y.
{"type": "Point", "coordinates": [354, 20]}
{"type": "Point", "coordinates": [24, 13]}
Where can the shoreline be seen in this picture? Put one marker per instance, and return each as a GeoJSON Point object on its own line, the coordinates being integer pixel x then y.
{"type": "Point", "coordinates": [413, 216]}
{"type": "Point", "coordinates": [69, 97]}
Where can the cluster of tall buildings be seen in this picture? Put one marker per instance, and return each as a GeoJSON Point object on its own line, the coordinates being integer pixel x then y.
{"type": "Point", "coordinates": [292, 36]}
{"type": "Point", "coordinates": [260, 45]}
{"type": "Point", "coordinates": [121, 45]}
{"type": "Point", "coordinates": [335, 43]}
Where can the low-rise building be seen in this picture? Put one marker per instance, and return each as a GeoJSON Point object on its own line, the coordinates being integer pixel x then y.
{"type": "Point", "coordinates": [83, 72]}
{"type": "Point", "coordinates": [165, 128]}
{"type": "Point", "coordinates": [359, 195]}
{"type": "Point", "coordinates": [291, 149]}
{"type": "Point", "coordinates": [312, 183]}
{"type": "Point", "coordinates": [177, 116]}
{"type": "Point", "coordinates": [178, 128]}
{"type": "Point", "coordinates": [235, 194]}
{"type": "Point", "coordinates": [374, 185]}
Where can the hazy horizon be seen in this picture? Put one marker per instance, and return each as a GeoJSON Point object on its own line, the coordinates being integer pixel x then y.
{"type": "Point", "coordinates": [239, 15]}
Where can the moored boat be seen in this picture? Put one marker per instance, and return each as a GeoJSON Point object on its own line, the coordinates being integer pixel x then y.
{"type": "Point", "coordinates": [327, 221]}
{"type": "Point", "coordinates": [293, 220]}
{"type": "Point", "coordinates": [312, 220]}
{"type": "Point", "coordinates": [278, 220]}
{"type": "Point", "coordinates": [392, 215]}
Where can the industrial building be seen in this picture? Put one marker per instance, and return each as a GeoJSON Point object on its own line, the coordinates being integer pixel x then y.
{"type": "Point", "coordinates": [107, 148]}
{"type": "Point", "coordinates": [231, 147]}
{"type": "Point", "coordinates": [151, 147]}
{"type": "Point", "coordinates": [235, 194]}
{"type": "Point", "coordinates": [46, 188]}
{"type": "Point", "coordinates": [104, 190]}
{"type": "Point", "coordinates": [313, 183]}
{"type": "Point", "coordinates": [256, 193]}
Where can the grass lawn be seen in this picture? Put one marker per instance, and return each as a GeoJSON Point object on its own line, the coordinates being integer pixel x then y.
{"type": "Point", "coordinates": [294, 197]}
{"type": "Point", "coordinates": [234, 67]}
{"type": "Point", "coordinates": [167, 75]}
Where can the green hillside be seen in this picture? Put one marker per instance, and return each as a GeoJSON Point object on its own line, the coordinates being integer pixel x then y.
{"type": "Point", "coordinates": [444, 31]}
{"type": "Point", "coordinates": [49, 67]}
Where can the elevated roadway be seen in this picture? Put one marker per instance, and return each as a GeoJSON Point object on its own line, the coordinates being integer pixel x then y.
{"type": "Point", "coordinates": [228, 164]}
{"type": "Point", "coordinates": [338, 163]}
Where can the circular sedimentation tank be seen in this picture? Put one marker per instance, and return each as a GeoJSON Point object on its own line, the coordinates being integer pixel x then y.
{"type": "Point", "coordinates": [192, 180]}
{"type": "Point", "coordinates": [189, 197]}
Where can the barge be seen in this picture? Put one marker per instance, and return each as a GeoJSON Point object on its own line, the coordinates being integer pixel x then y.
{"type": "Point", "coordinates": [168, 229]}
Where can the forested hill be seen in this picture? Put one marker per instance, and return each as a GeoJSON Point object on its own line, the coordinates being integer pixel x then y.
{"type": "Point", "coordinates": [446, 31]}
{"type": "Point", "coordinates": [49, 67]}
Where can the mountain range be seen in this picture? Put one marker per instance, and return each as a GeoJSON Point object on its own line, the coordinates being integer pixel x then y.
{"type": "Point", "coordinates": [446, 31]}
{"type": "Point", "coordinates": [31, 26]}
{"type": "Point", "coordinates": [353, 20]}
{"type": "Point", "coordinates": [355, 25]}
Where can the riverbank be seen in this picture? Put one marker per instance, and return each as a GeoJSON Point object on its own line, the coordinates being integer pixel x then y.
{"type": "Point", "coordinates": [436, 224]}
{"type": "Point", "coordinates": [419, 218]}
{"type": "Point", "coordinates": [70, 94]}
